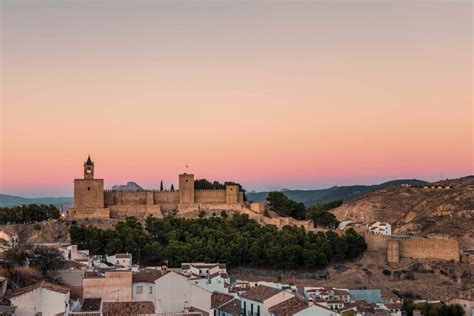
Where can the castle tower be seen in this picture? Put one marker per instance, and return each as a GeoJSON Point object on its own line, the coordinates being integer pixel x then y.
{"type": "Point", "coordinates": [186, 188]}
{"type": "Point", "coordinates": [89, 168]}
{"type": "Point", "coordinates": [88, 195]}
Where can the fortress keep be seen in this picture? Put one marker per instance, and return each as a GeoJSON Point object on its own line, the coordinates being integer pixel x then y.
{"type": "Point", "coordinates": [92, 201]}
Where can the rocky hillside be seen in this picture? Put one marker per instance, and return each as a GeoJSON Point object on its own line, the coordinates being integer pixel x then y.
{"type": "Point", "coordinates": [447, 211]}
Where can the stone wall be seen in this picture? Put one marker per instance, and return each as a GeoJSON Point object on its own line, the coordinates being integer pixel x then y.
{"type": "Point", "coordinates": [166, 197]}
{"type": "Point", "coordinates": [139, 211]}
{"type": "Point", "coordinates": [210, 196]}
{"type": "Point", "coordinates": [417, 248]}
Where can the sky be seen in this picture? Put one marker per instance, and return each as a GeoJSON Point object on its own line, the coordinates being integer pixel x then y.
{"type": "Point", "coordinates": [270, 94]}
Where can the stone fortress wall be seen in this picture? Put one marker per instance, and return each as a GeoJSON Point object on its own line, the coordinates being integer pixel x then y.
{"type": "Point", "coordinates": [92, 201]}
{"type": "Point", "coordinates": [398, 247]}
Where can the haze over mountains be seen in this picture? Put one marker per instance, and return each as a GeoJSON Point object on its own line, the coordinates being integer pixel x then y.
{"type": "Point", "coordinates": [308, 197]}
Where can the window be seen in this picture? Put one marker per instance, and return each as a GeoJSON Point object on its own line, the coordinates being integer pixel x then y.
{"type": "Point", "coordinates": [151, 289]}
{"type": "Point", "coordinates": [245, 307]}
{"type": "Point", "coordinates": [88, 188]}
{"type": "Point", "coordinates": [258, 310]}
{"type": "Point", "coordinates": [251, 309]}
{"type": "Point", "coordinates": [139, 289]}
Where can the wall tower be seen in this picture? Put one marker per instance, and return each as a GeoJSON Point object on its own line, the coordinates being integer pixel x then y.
{"type": "Point", "coordinates": [186, 188]}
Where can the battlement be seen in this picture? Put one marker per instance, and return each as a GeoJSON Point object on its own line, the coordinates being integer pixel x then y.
{"type": "Point", "coordinates": [415, 247]}
{"type": "Point", "coordinates": [209, 190]}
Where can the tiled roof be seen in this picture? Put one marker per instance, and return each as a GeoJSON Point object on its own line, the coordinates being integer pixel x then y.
{"type": "Point", "coordinates": [218, 299]}
{"type": "Point", "coordinates": [91, 275]}
{"type": "Point", "coordinates": [69, 264]}
{"type": "Point", "coordinates": [289, 307]}
{"type": "Point", "coordinates": [393, 305]}
{"type": "Point", "coordinates": [195, 309]}
{"type": "Point", "coordinates": [146, 276]}
{"type": "Point", "coordinates": [91, 304]}
{"type": "Point", "coordinates": [232, 307]}
{"type": "Point", "coordinates": [127, 308]}
{"type": "Point", "coordinates": [122, 255]}
{"type": "Point", "coordinates": [43, 285]}
{"type": "Point", "coordinates": [260, 293]}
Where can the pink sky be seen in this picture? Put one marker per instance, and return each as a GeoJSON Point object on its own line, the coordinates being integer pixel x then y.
{"type": "Point", "coordinates": [271, 95]}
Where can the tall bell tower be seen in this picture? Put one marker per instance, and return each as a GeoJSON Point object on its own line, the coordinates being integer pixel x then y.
{"type": "Point", "coordinates": [89, 168]}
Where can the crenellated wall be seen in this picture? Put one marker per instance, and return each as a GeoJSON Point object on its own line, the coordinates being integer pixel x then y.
{"type": "Point", "coordinates": [417, 248]}
{"type": "Point", "coordinates": [210, 196]}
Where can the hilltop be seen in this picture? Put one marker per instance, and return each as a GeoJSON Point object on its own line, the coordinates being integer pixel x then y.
{"type": "Point", "coordinates": [447, 209]}
{"type": "Point", "coordinates": [311, 197]}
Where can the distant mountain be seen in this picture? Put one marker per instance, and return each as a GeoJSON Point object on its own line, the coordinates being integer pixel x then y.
{"type": "Point", "coordinates": [130, 186]}
{"type": "Point", "coordinates": [11, 200]}
{"type": "Point", "coordinates": [311, 197]}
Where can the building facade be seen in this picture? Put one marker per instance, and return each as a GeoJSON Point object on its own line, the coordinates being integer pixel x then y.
{"type": "Point", "coordinates": [92, 201]}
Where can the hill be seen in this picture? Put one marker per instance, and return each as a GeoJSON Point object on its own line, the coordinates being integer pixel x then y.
{"type": "Point", "coordinates": [447, 209]}
{"type": "Point", "coordinates": [12, 200]}
{"type": "Point", "coordinates": [311, 197]}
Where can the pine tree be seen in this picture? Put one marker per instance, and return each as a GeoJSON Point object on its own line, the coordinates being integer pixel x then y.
{"type": "Point", "coordinates": [172, 188]}
{"type": "Point", "coordinates": [161, 185]}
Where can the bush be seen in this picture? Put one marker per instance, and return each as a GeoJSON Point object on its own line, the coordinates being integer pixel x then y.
{"type": "Point", "coordinates": [387, 272]}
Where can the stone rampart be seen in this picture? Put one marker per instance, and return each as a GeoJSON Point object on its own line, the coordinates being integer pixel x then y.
{"type": "Point", "coordinates": [210, 196]}
{"type": "Point", "coordinates": [415, 247]}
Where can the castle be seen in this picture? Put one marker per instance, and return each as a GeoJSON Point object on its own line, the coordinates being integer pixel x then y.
{"type": "Point", "coordinates": [92, 201]}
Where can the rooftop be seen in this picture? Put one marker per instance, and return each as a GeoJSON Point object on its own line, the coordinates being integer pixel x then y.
{"type": "Point", "coordinates": [42, 285]}
{"type": "Point", "coordinates": [147, 276]}
{"type": "Point", "coordinates": [260, 293]}
{"type": "Point", "coordinates": [127, 308]}
{"type": "Point", "coordinates": [232, 307]}
{"type": "Point", "coordinates": [289, 307]}
{"type": "Point", "coordinates": [91, 305]}
{"type": "Point", "coordinates": [218, 299]}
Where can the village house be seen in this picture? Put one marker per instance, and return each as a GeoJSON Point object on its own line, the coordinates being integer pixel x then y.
{"type": "Point", "coordinates": [209, 276]}
{"type": "Point", "coordinates": [175, 294]}
{"type": "Point", "coordinates": [116, 285]}
{"type": "Point", "coordinates": [120, 260]}
{"type": "Point", "coordinates": [41, 298]}
{"type": "Point", "coordinates": [258, 300]}
{"type": "Point", "coordinates": [144, 286]}
{"type": "Point", "coordinates": [326, 294]}
{"type": "Point", "coordinates": [381, 228]}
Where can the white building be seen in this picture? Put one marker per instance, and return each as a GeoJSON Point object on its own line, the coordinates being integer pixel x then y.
{"type": "Point", "coordinates": [211, 277]}
{"type": "Point", "coordinates": [121, 260]}
{"type": "Point", "coordinates": [72, 253]}
{"type": "Point", "coordinates": [258, 300]}
{"type": "Point", "coordinates": [381, 228]}
{"type": "Point", "coordinates": [174, 294]}
{"type": "Point", "coordinates": [144, 285]}
{"type": "Point", "coordinates": [42, 298]}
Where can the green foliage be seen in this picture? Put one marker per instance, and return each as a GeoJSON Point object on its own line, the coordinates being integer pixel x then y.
{"type": "Point", "coordinates": [386, 272]}
{"type": "Point", "coordinates": [237, 241]}
{"type": "Point", "coordinates": [28, 213]}
{"type": "Point", "coordinates": [45, 259]}
{"type": "Point", "coordinates": [283, 206]}
{"type": "Point", "coordinates": [18, 256]}
{"type": "Point", "coordinates": [433, 310]}
{"type": "Point", "coordinates": [319, 214]}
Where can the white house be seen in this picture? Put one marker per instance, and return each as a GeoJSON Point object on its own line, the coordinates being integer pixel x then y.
{"type": "Point", "coordinates": [42, 298]}
{"type": "Point", "coordinates": [212, 283]}
{"type": "Point", "coordinates": [123, 260]}
{"type": "Point", "coordinates": [144, 285]}
{"type": "Point", "coordinates": [258, 300]}
{"type": "Point", "coordinates": [72, 253]}
{"type": "Point", "coordinates": [381, 228]}
{"type": "Point", "coordinates": [174, 293]}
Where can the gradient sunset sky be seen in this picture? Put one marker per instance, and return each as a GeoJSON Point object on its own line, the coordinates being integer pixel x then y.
{"type": "Point", "coordinates": [305, 94]}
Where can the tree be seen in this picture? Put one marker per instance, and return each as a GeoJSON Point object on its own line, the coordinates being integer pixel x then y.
{"type": "Point", "coordinates": [161, 185]}
{"type": "Point", "coordinates": [45, 259]}
{"type": "Point", "coordinates": [172, 188]}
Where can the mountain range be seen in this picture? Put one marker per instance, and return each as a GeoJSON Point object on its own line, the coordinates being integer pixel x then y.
{"type": "Point", "coordinates": [308, 197]}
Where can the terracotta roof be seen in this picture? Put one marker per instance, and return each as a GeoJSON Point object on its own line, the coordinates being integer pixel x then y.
{"type": "Point", "coordinates": [69, 264]}
{"type": "Point", "coordinates": [42, 285]}
{"type": "Point", "coordinates": [289, 307]}
{"type": "Point", "coordinates": [91, 304]}
{"type": "Point", "coordinates": [146, 276]}
{"type": "Point", "coordinates": [393, 305]}
{"type": "Point", "coordinates": [195, 309]}
{"type": "Point", "coordinates": [218, 299]}
{"type": "Point", "coordinates": [122, 255]}
{"type": "Point", "coordinates": [232, 307]}
{"type": "Point", "coordinates": [91, 274]}
{"type": "Point", "coordinates": [127, 308]}
{"type": "Point", "coordinates": [260, 293]}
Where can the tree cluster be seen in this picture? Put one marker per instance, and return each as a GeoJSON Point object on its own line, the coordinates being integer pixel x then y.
{"type": "Point", "coordinates": [433, 310]}
{"type": "Point", "coordinates": [28, 214]}
{"type": "Point", "coordinates": [204, 184]}
{"type": "Point", "coordinates": [236, 240]}
{"type": "Point", "coordinates": [318, 213]}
